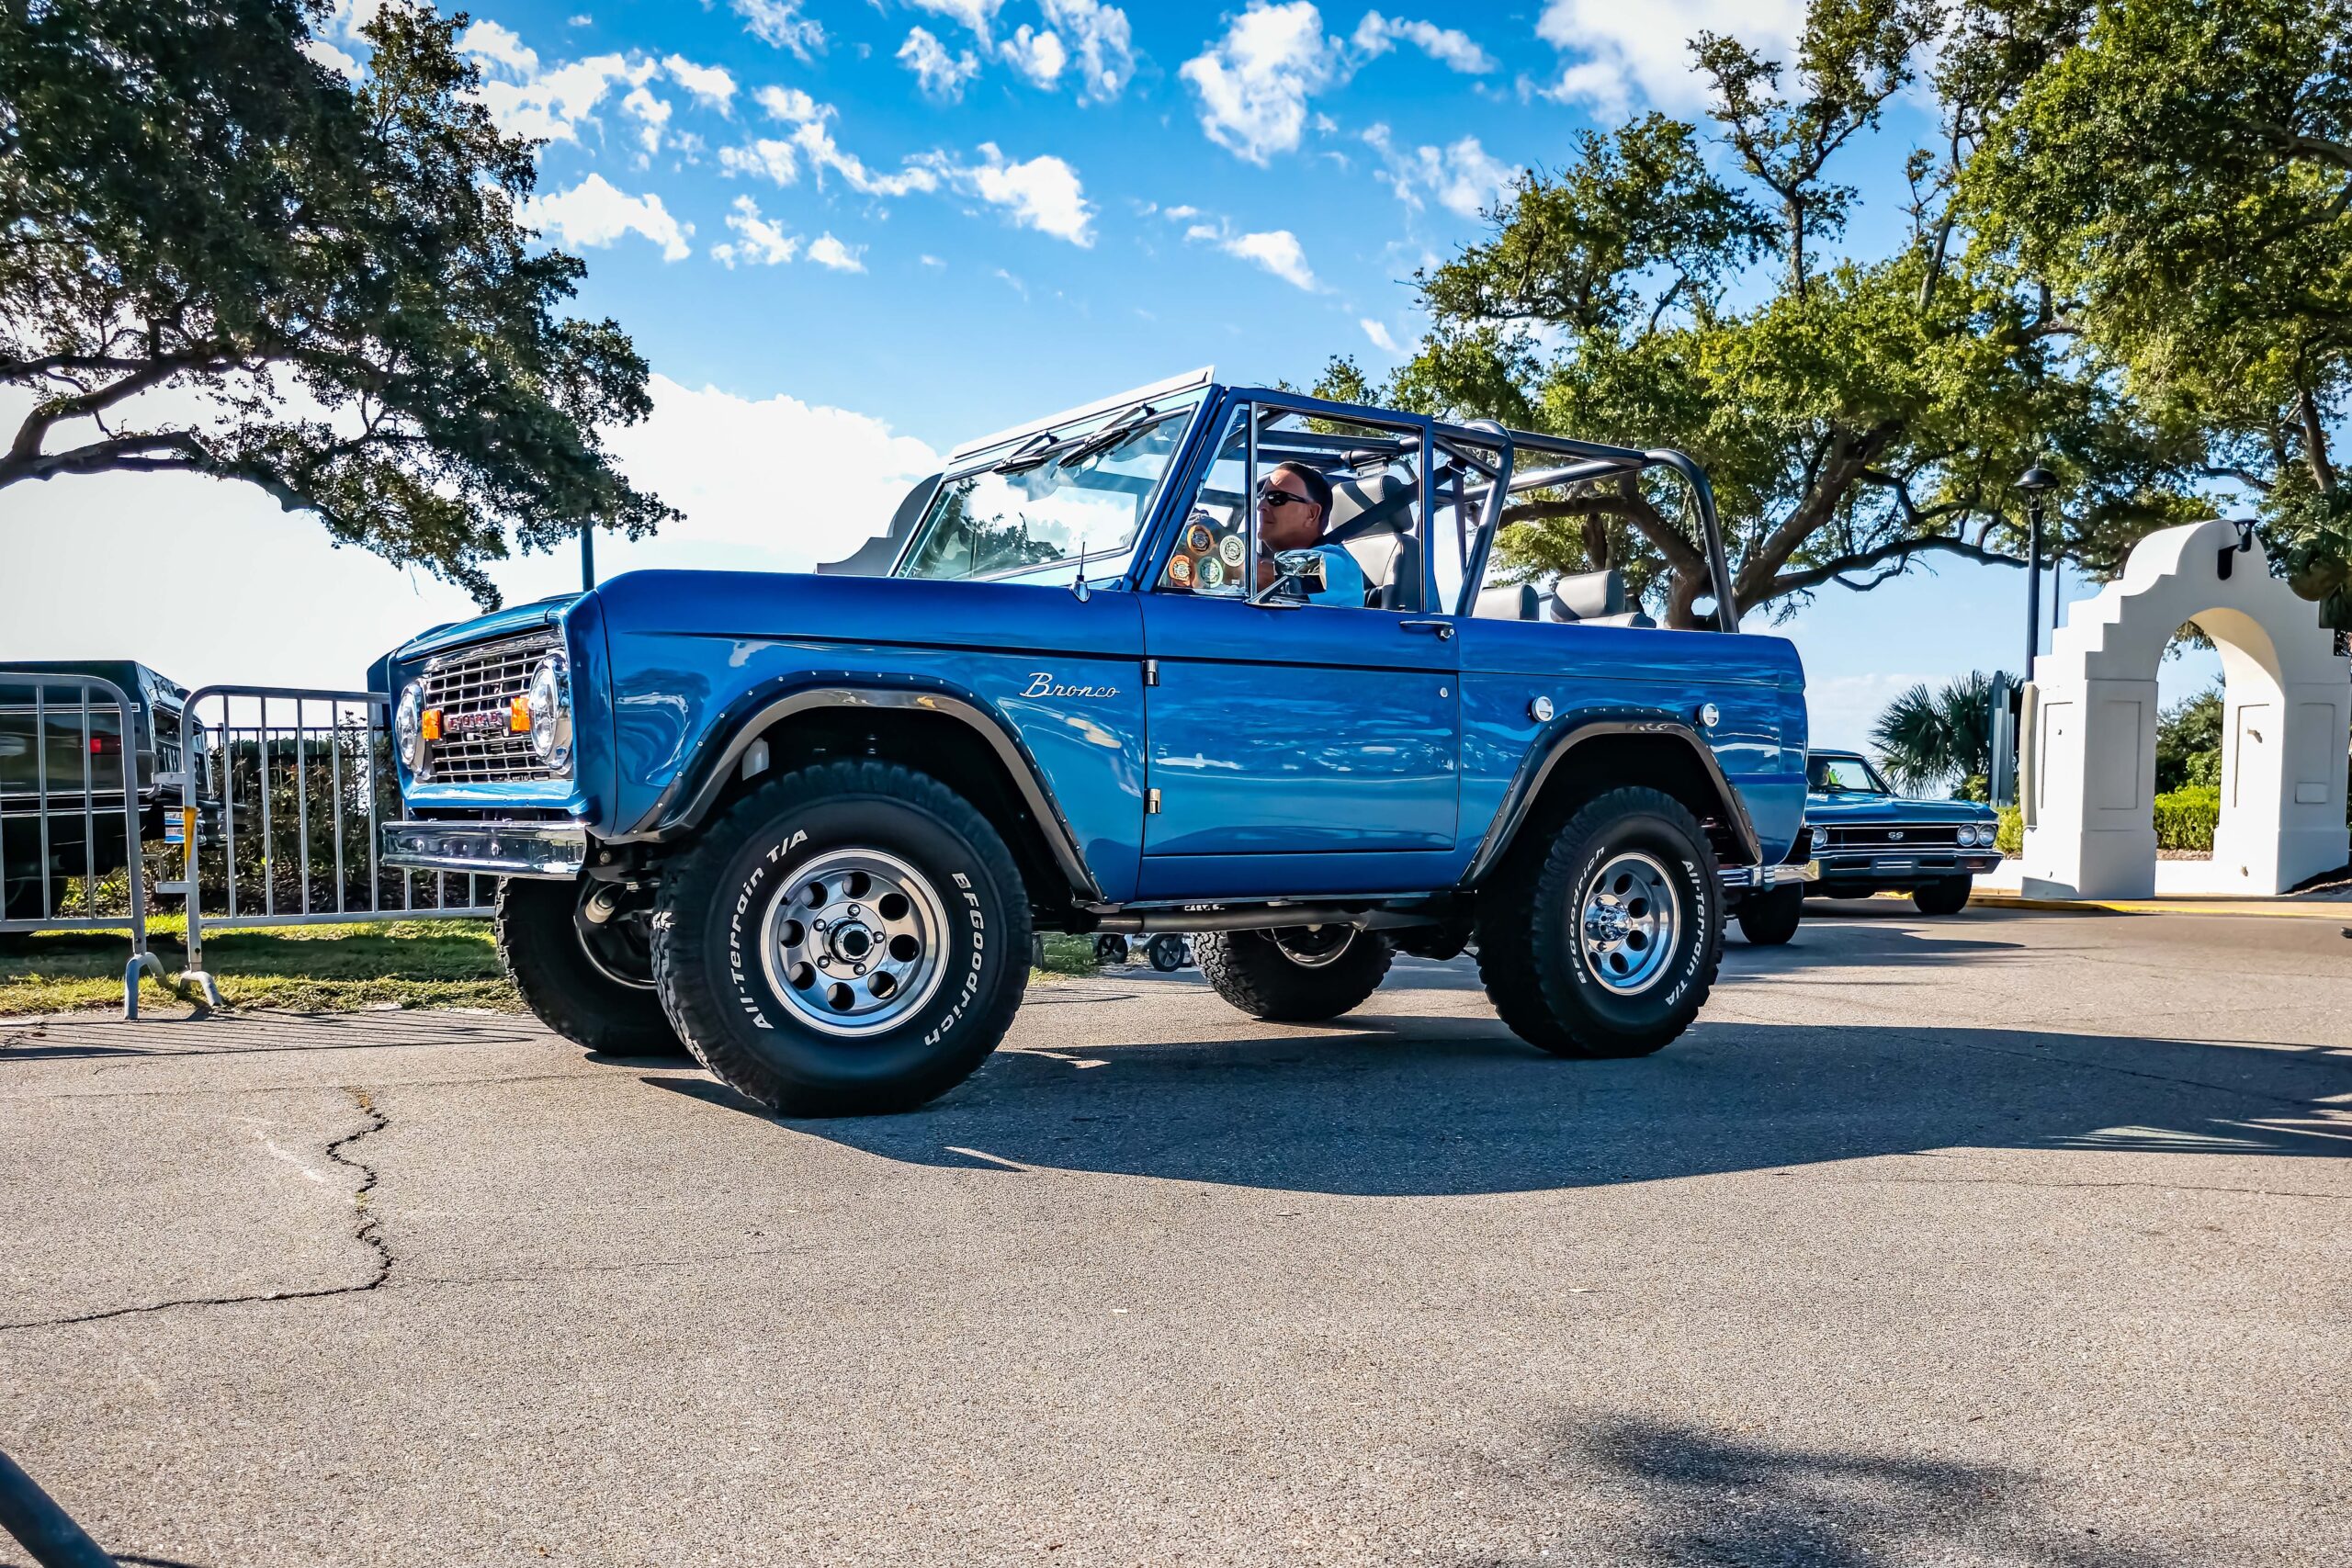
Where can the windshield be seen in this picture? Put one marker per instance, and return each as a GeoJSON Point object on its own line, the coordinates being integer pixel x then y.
{"type": "Point", "coordinates": [1843, 775]}
{"type": "Point", "coordinates": [1051, 497]}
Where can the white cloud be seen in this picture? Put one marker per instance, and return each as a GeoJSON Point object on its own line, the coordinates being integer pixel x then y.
{"type": "Point", "coordinates": [1278, 252]}
{"type": "Point", "coordinates": [334, 58]}
{"type": "Point", "coordinates": [1276, 249]}
{"type": "Point", "coordinates": [711, 85]}
{"type": "Point", "coordinates": [1103, 41]}
{"type": "Point", "coordinates": [499, 46]}
{"type": "Point", "coordinates": [1039, 56]}
{"type": "Point", "coordinates": [765, 157]}
{"type": "Point", "coordinates": [1620, 52]}
{"type": "Point", "coordinates": [594, 213]}
{"type": "Point", "coordinates": [760, 241]}
{"type": "Point", "coordinates": [1382, 339]}
{"type": "Point", "coordinates": [1253, 84]}
{"type": "Point", "coordinates": [928, 260]}
{"type": "Point", "coordinates": [1042, 194]}
{"type": "Point", "coordinates": [550, 105]}
{"type": "Point", "coordinates": [791, 105]}
{"type": "Point", "coordinates": [780, 23]}
{"type": "Point", "coordinates": [1464, 178]}
{"type": "Point", "coordinates": [823, 153]}
{"type": "Point", "coordinates": [652, 115]}
{"type": "Point", "coordinates": [940, 75]}
{"type": "Point", "coordinates": [978, 16]}
{"type": "Point", "coordinates": [828, 252]}
{"type": "Point", "coordinates": [1450, 47]}
{"type": "Point", "coordinates": [333, 611]}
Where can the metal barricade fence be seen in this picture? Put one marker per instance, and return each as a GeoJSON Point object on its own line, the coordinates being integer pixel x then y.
{"type": "Point", "coordinates": [283, 793]}
{"type": "Point", "coordinates": [49, 810]}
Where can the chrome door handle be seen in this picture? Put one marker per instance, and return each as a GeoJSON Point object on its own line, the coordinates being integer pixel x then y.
{"type": "Point", "coordinates": [1442, 630]}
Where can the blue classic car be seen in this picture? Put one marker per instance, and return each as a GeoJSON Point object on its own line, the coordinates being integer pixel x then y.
{"type": "Point", "coordinates": [1197, 658]}
{"type": "Point", "coordinates": [1868, 839]}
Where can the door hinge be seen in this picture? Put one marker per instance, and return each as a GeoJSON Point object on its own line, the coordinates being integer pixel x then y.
{"type": "Point", "coordinates": [1151, 803]}
{"type": "Point", "coordinates": [1151, 671]}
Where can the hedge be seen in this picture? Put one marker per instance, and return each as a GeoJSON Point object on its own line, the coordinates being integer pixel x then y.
{"type": "Point", "coordinates": [2185, 818]}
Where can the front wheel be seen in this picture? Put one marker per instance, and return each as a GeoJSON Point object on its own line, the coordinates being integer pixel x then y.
{"type": "Point", "coordinates": [577, 952]}
{"type": "Point", "coordinates": [847, 940]}
{"type": "Point", "coordinates": [1301, 975]}
{"type": "Point", "coordinates": [1604, 940]}
{"type": "Point", "coordinates": [1769, 916]}
{"type": "Point", "coordinates": [1947, 897]}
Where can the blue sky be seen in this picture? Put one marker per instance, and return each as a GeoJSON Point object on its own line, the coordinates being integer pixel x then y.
{"type": "Point", "coordinates": [848, 235]}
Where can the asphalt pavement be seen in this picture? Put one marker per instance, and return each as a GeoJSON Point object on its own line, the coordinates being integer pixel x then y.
{"type": "Point", "coordinates": [2008, 1238]}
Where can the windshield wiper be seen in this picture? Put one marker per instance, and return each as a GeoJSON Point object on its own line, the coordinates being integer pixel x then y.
{"type": "Point", "coordinates": [1111, 435]}
{"type": "Point", "coordinates": [1077, 448]}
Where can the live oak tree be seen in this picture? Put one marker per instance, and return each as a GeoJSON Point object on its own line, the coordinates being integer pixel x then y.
{"type": "Point", "coordinates": [1856, 414]}
{"type": "Point", "coordinates": [2181, 176]}
{"type": "Point", "coordinates": [329, 281]}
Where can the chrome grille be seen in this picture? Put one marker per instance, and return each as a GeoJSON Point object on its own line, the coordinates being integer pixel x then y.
{"type": "Point", "coordinates": [483, 679]}
{"type": "Point", "coordinates": [1940, 836]}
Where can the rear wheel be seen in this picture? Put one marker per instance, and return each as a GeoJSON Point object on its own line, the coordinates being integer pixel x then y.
{"type": "Point", "coordinates": [577, 952]}
{"type": "Point", "coordinates": [847, 940]}
{"type": "Point", "coordinates": [1167, 953]}
{"type": "Point", "coordinates": [1947, 897]}
{"type": "Point", "coordinates": [1769, 917]}
{"type": "Point", "coordinates": [1111, 949]}
{"type": "Point", "coordinates": [1604, 941]}
{"type": "Point", "coordinates": [1299, 974]}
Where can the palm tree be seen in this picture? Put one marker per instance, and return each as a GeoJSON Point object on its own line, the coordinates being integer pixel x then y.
{"type": "Point", "coordinates": [1928, 738]}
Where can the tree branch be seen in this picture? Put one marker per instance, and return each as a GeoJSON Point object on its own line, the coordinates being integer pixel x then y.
{"type": "Point", "coordinates": [1893, 550]}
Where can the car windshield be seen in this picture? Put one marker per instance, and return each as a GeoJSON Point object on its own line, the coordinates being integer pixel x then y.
{"type": "Point", "coordinates": [1053, 496]}
{"type": "Point", "coordinates": [1843, 775]}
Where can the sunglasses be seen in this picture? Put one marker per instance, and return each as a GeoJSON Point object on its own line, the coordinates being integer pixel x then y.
{"type": "Point", "coordinates": [1269, 496]}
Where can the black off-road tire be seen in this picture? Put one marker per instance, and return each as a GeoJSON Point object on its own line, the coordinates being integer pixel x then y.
{"type": "Point", "coordinates": [541, 952]}
{"type": "Point", "coordinates": [708, 930]}
{"type": "Point", "coordinates": [1250, 970]}
{"type": "Point", "coordinates": [1534, 965]}
{"type": "Point", "coordinates": [1946, 896]}
{"type": "Point", "coordinates": [1769, 916]}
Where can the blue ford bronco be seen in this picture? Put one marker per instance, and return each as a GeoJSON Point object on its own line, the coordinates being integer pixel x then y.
{"type": "Point", "coordinates": [803, 826]}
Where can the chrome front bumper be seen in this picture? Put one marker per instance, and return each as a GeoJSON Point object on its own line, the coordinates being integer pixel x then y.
{"type": "Point", "coordinates": [558, 850]}
{"type": "Point", "coordinates": [1770, 875]}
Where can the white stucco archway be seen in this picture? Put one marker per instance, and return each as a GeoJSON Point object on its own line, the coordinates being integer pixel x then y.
{"type": "Point", "coordinates": [2287, 716]}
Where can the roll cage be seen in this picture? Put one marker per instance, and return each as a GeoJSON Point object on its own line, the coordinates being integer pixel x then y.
{"type": "Point", "coordinates": [1489, 464]}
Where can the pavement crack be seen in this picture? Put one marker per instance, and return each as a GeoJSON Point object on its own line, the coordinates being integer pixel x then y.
{"type": "Point", "coordinates": [368, 1231]}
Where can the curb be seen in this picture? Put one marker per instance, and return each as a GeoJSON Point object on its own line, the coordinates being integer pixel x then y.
{"type": "Point", "coordinates": [2298, 909]}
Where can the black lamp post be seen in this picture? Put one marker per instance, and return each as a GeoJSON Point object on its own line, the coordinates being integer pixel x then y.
{"type": "Point", "coordinates": [2035, 481]}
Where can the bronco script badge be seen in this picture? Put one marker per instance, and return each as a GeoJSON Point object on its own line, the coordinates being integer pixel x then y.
{"type": "Point", "coordinates": [1041, 684]}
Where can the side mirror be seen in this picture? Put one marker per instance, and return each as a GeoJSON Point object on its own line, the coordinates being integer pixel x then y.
{"type": "Point", "coordinates": [1298, 576]}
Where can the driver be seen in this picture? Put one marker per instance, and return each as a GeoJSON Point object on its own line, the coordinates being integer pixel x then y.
{"type": "Point", "coordinates": [1292, 502]}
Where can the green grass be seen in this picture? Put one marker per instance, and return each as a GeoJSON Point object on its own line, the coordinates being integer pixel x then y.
{"type": "Point", "coordinates": [343, 968]}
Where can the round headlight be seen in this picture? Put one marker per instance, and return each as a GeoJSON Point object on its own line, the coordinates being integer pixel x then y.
{"type": "Point", "coordinates": [1965, 835]}
{"type": "Point", "coordinates": [408, 728]}
{"type": "Point", "coordinates": [548, 702]}
{"type": "Point", "coordinates": [1972, 835]}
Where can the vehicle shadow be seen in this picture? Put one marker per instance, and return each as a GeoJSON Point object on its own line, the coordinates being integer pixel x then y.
{"type": "Point", "coordinates": [1692, 1496]}
{"type": "Point", "coordinates": [1384, 1105]}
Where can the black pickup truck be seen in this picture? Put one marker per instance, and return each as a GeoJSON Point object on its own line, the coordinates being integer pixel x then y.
{"type": "Point", "coordinates": [78, 824]}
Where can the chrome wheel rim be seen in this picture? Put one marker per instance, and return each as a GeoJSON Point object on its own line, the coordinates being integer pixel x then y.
{"type": "Point", "coordinates": [1627, 920]}
{"type": "Point", "coordinates": [854, 942]}
{"type": "Point", "coordinates": [1312, 947]}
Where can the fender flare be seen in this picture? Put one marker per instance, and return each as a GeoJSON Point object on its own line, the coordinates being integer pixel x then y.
{"type": "Point", "coordinates": [691, 794]}
{"type": "Point", "coordinates": [1577, 730]}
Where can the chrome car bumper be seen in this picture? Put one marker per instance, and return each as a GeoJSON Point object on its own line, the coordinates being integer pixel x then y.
{"type": "Point", "coordinates": [1869, 865]}
{"type": "Point", "coordinates": [558, 850]}
{"type": "Point", "coordinates": [1770, 875]}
